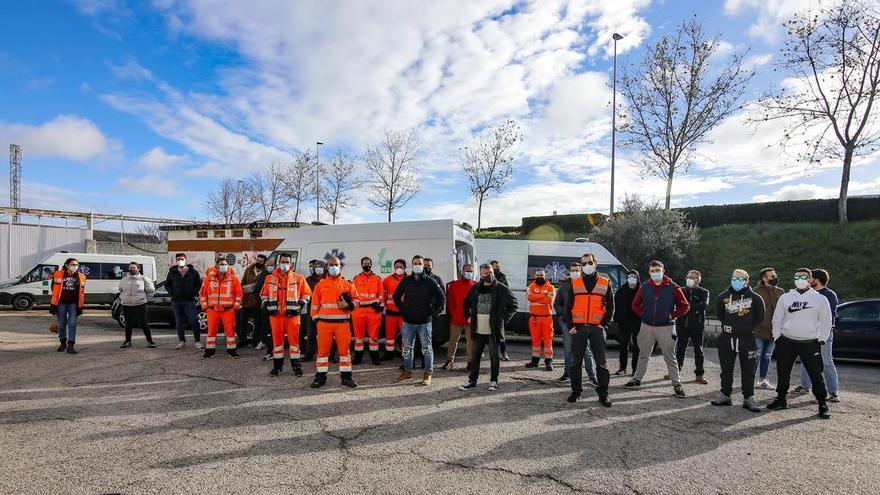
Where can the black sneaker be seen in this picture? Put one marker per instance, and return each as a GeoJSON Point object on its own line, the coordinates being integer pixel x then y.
{"type": "Point", "coordinates": [679, 391]}
{"type": "Point", "coordinates": [722, 400]}
{"type": "Point", "coordinates": [275, 372]}
{"type": "Point", "coordinates": [533, 363]}
{"type": "Point", "coordinates": [151, 345]}
{"type": "Point", "coordinates": [71, 349]}
{"type": "Point", "coordinates": [574, 397]}
{"type": "Point", "coordinates": [777, 405]}
{"type": "Point", "coordinates": [125, 345]}
{"type": "Point", "coordinates": [548, 365]}
{"type": "Point", "coordinates": [824, 413]}
{"type": "Point", "coordinates": [605, 401]}
{"type": "Point", "coordinates": [298, 371]}
{"type": "Point", "coordinates": [316, 384]}
{"type": "Point", "coordinates": [348, 382]}
{"type": "Point", "coordinates": [62, 347]}
{"type": "Point", "coordinates": [467, 386]}
{"type": "Point", "coordinates": [620, 372]}
{"type": "Point", "coordinates": [563, 379]}
{"type": "Point", "coordinates": [209, 353]}
{"type": "Point", "coordinates": [232, 353]}
{"type": "Point", "coordinates": [633, 383]}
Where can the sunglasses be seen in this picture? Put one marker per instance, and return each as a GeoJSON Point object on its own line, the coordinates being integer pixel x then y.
{"type": "Point", "coordinates": [801, 277]}
{"type": "Point", "coordinates": [735, 279]}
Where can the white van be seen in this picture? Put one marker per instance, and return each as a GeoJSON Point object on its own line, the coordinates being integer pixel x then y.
{"type": "Point", "coordinates": [103, 272]}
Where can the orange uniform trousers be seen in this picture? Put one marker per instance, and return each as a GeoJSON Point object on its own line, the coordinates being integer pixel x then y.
{"type": "Point", "coordinates": [285, 327]}
{"type": "Point", "coordinates": [216, 317]}
{"type": "Point", "coordinates": [393, 324]}
{"type": "Point", "coordinates": [327, 332]}
{"type": "Point", "coordinates": [366, 323]}
{"type": "Point", "coordinates": [541, 330]}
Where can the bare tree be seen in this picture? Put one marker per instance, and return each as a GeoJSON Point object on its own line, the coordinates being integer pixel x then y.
{"type": "Point", "coordinates": [153, 232]}
{"type": "Point", "coordinates": [339, 182]}
{"type": "Point", "coordinates": [267, 188]}
{"type": "Point", "coordinates": [676, 97]}
{"type": "Point", "coordinates": [230, 203]}
{"type": "Point", "coordinates": [834, 55]}
{"type": "Point", "coordinates": [487, 163]}
{"type": "Point", "coordinates": [299, 183]}
{"type": "Point", "coordinates": [391, 165]}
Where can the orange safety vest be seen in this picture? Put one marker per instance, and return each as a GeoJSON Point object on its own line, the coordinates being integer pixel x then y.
{"type": "Point", "coordinates": [541, 299]}
{"type": "Point", "coordinates": [390, 285]}
{"type": "Point", "coordinates": [220, 292]}
{"type": "Point", "coordinates": [326, 297]}
{"type": "Point", "coordinates": [369, 290]}
{"type": "Point", "coordinates": [292, 283]}
{"type": "Point", "coordinates": [58, 281]}
{"type": "Point", "coordinates": [589, 307]}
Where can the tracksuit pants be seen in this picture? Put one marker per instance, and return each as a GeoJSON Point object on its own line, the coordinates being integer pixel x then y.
{"type": "Point", "coordinates": [650, 335]}
{"type": "Point", "coordinates": [216, 317]}
{"type": "Point", "coordinates": [285, 328]}
{"type": "Point", "coordinates": [366, 325]}
{"type": "Point", "coordinates": [340, 331]}
{"type": "Point", "coordinates": [810, 352]}
{"type": "Point", "coordinates": [541, 331]}
{"type": "Point", "coordinates": [730, 347]}
{"type": "Point", "coordinates": [627, 340]}
{"type": "Point", "coordinates": [594, 336]}
{"type": "Point", "coordinates": [694, 337]}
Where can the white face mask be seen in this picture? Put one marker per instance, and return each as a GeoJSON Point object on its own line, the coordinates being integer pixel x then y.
{"type": "Point", "coordinates": [589, 269]}
{"type": "Point", "coordinates": [181, 263]}
{"type": "Point", "coordinates": [319, 270]}
{"type": "Point", "coordinates": [801, 284]}
{"type": "Point", "coordinates": [418, 269]}
{"type": "Point", "coordinates": [632, 280]}
{"type": "Point", "coordinates": [469, 275]}
{"type": "Point", "coordinates": [575, 275]}
{"type": "Point", "coordinates": [284, 266]}
{"type": "Point", "coordinates": [334, 270]}
{"type": "Point", "coordinates": [399, 271]}
{"type": "Point", "coordinates": [690, 282]}
{"type": "Point", "coordinates": [223, 268]}
{"type": "Point", "coordinates": [73, 268]}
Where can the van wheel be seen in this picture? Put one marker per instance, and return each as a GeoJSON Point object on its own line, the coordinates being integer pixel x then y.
{"type": "Point", "coordinates": [22, 302]}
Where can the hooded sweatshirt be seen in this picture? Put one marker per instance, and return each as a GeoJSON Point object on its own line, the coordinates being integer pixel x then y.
{"type": "Point", "coordinates": [740, 312]}
{"type": "Point", "coordinates": [802, 316]}
{"type": "Point", "coordinates": [660, 305]}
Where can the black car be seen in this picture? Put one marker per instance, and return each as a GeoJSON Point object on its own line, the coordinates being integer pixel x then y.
{"type": "Point", "coordinates": [857, 330]}
{"type": "Point", "coordinates": [158, 310]}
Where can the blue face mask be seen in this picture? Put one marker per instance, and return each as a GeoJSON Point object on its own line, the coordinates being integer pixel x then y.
{"type": "Point", "coordinates": [737, 284]}
{"type": "Point", "coordinates": [656, 277]}
{"type": "Point", "coordinates": [469, 275]}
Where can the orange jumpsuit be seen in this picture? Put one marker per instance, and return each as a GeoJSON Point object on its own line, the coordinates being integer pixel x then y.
{"type": "Point", "coordinates": [393, 320]}
{"type": "Point", "coordinates": [283, 291]}
{"type": "Point", "coordinates": [220, 297]}
{"type": "Point", "coordinates": [367, 315]}
{"type": "Point", "coordinates": [540, 318]}
{"type": "Point", "coordinates": [333, 322]}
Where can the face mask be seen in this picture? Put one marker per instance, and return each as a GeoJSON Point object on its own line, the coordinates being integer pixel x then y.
{"type": "Point", "coordinates": [575, 275]}
{"type": "Point", "coordinates": [73, 268]}
{"type": "Point", "coordinates": [284, 267]}
{"type": "Point", "coordinates": [540, 281]}
{"type": "Point", "coordinates": [270, 268]}
{"type": "Point", "coordinates": [334, 270]}
{"type": "Point", "coordinates": [399, 271]}
{"type": "Point", "coordinates": [690, 282]}
{"type": "Point", "coordinates": [774, 281]}
{"type": "Point", "coordinates": [311, 270]}
{"type": "Point", "coordinates": [428, 270]}
{"type": "Point", "coordinates": [181, 263]}
{"type": "Point", "coordinates": [656, 277]}
{"type": "Point", "coordinates": [133, 271]}
{"type": "Point", "coordinates": [367, 268]}
{"type": "Point", "coordinates": [469, 275]}
{"type": "Point", "coordinates": [737, 284]}
{"type": "Point", "coordinates": [589, 269]}
{"type": "Point", "coordinates": [418, 269]}
{"type": "Point", "coordinates": [801, 284]}
{"type": "Point", "coordinates": [319, 270]}
{"type": "Point", "coordinates": [632, 280]}
{"type": "Point", "coordinates": [223, 268]}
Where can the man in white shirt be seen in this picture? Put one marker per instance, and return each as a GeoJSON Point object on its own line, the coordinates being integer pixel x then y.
{"type": "Point", "coordinates": [801, 326]}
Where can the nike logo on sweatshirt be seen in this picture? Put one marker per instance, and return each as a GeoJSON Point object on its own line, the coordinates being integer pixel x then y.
{"type": "Point", "coordinates": [798, 306]}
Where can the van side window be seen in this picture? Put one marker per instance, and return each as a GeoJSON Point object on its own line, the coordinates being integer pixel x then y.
{"type": "Point", "coordinates": [90, 270]}
{"type": "Point", "coordinates": [115, 271]}
{"type": "Point", "coordinates": [40, 272]}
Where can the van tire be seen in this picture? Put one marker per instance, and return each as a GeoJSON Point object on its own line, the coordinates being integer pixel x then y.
{"type": "Point", "coordinates": [23, 302]}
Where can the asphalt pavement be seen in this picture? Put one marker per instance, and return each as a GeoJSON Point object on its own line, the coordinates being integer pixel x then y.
{"type": "Point", "coordinates": [141, 420]}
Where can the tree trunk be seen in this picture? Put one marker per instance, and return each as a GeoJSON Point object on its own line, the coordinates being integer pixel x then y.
{"type": "Point", "coordinates": [669, 186]}
{"type": "Point", "coordinates": [479, 211]}
{"type": "Point", "coordinates": [844, 187]}
{"type": "Point", "coordinates": [389, 215]}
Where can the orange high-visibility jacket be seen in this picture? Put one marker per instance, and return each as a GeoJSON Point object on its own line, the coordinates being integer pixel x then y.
{"type": "Point", "coordinates": [390, 285]}
{"type": "Point", "coordinates": [57, 282]}
{"type": "Point", "coordinates": [370, 290]}
{"type": "Point", "coordinates": [326, 297]}
{"type": "Point", "coordinates": [220, 292]}
{"type": "Point", "coordinates": [541, 299]}
{"type": "Point", "coordinates": [589, 307]}
{"type": "Point", "coordinates": [293, 285]}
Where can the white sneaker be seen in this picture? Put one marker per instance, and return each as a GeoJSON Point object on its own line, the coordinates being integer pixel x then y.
{"type": "Point", "coordinates": [180, 345]}
{"type": "Point", "coordinates": [260, 346]}
{"type": "Point", "coordinates": [493, 386]}
{"type": "Point", "coordinates": [765, 384]}
{"type": "Point", "coordinates": [199, 344]}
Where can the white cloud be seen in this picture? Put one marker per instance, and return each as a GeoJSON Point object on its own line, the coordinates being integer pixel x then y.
{"type": "Point", "coordinates": [149, 185]}
{"type": "Point", "coordinates": [755, 61]}
{"type": "Point", "coordinates": [812, 191]}
{"type": "Point", "coordinates": [66, 136]}
{"type": "Point", "coordinates": [769, 15]}
{"type": "Point", "coordinates": [130, 69]}
{"type": "Point", "coordinates": [158, 159]}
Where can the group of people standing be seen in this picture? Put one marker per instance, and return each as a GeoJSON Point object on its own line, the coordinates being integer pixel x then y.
{"type": "Point", "coordinates": [313, 318]}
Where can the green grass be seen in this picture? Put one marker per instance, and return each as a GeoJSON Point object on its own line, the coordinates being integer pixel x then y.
{"type": "Point", "coordinates": [850, 254]}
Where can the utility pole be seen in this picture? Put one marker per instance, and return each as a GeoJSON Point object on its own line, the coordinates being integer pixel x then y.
{"type": "Point", "coordinates": [317, 181]}
{"type": "Point", "coordinates": [14, 180]}
{"type": "Point", "coordinates": [613, 119]}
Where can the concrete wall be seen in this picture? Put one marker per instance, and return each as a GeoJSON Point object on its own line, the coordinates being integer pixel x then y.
{"type": "Point", "coordinates": [22, 246]}
{"type": "Point", "coordinates": [158, 251]}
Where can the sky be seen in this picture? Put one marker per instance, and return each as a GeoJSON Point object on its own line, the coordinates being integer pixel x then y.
{"type": "Point", "coordinates": [141, 107]}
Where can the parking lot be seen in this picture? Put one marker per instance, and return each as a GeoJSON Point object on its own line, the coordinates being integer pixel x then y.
{"type": "Point", "coordinates": [163, 421]}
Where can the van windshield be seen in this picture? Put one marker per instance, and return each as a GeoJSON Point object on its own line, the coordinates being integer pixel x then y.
{"type": "Point", "coordinates": [39, 273]}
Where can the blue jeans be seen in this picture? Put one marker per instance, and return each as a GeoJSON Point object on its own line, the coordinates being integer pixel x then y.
{"type": "Point", "coordinates": [66, 316]}
{"type": "Point", "coordinates": [567, 340]}
{"type": "Point", "coordinates": [423, 331]}
{"type": "Point", "coordinates": [829, 370]}
{"type": "Point", "coordinates": [765, 352]}
{"type": "Point", "coordinates": [185, 311]}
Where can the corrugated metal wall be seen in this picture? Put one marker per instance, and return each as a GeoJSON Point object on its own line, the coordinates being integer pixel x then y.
{"type": "Point", "coordinates": [28, 244]}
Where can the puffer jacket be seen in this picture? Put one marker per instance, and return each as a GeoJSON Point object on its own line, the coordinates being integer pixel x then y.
{"type": "Point", "coordinates": [134, 290]}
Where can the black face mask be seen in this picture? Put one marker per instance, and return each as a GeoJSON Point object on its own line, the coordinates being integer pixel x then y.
{"type": "Point", "coordinates": [428, 270]}
{"type": "Point", "coordinates": [774, 281]}
{"type": "Point", "coordinates": [540, 281]}
{"type": "Point", "coordinates": [367, 268]}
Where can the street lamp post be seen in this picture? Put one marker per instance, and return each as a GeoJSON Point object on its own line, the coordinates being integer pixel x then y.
{"type": "Point", "coordinates": [317, 182]}
{"type": "Point", "coordinates": [613, 118]}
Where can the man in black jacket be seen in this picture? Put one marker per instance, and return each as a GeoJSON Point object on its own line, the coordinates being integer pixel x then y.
{"type": "Point", "coordinates": [690, 327]}
{"type": "Point", "coordinates": [628, 322]}
{"type": "Point", "coordinates": [740, 311]}
{"type": "Point", "coordinates": [488, 306]}
{"type": "Point", "coordinates": [501, 278]}
{"type": "Point", "coordinates": [419, 298]}
{"type": "Point", "coordinates": [183, 283]}
{"type": "Point", "coordinates": [585, 305]}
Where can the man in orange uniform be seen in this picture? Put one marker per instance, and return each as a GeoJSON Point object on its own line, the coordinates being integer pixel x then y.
{"type": "Point", "coordinates": [393, 319]}
{"type": "Point", "coordinates": [332, 304]}
{"type": "Point", "coordinates": [285, 294]}
{"type": "Point", "coordinates": [220, 297]}
{"type": "Point", "coordinates": [367, 316]}
{"type": "Point", "coordinates": [540, 295]}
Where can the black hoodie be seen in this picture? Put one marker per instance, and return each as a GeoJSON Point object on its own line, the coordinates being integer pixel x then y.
{"type": "Point", "coordinates": [740, 312]}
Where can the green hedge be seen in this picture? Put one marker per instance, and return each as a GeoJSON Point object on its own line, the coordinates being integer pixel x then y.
{"type": "Point", "coordinates": [579, 222]}
{"type": "Point", "coordinates": [808, 210]}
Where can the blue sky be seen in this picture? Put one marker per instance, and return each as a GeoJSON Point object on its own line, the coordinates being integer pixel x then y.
{"type": "Point", "coordinates": [140, 107]}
